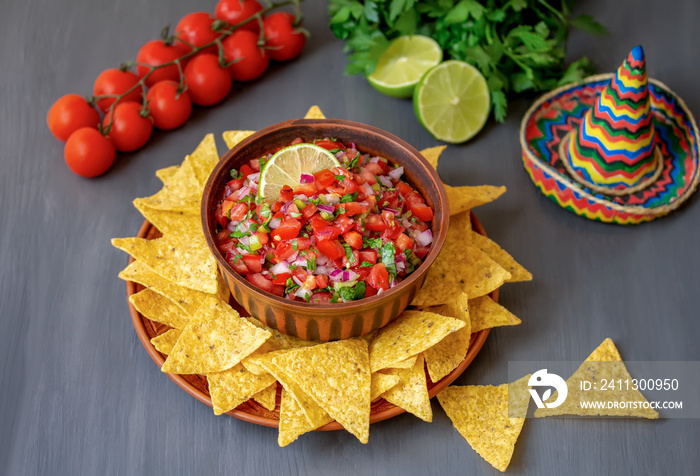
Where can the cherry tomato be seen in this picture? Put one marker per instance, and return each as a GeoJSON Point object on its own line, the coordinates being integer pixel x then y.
{"type": "Point", "coordinates": [70, 113]}
{"type": "Point", "coordinates": [155, 53]}
{"type": "Point", "coordinates": [168, 109]}
{"type": "Point", "coordinates": [251, 60]}
{"type": "Point", "coordinates": [207, 82]}
{"type": "Point", "coordinates": [115, 81]}
{"type": "Point", "coordinates": [283, 41]}
{"type": "Point", "coordinates": [88, 153]}
{"type": "Point", "coordinates": [235, 11]}
{"type": "Point", "coordinates": [130, 130]}
{"type": "Point", "coordinates": [195, 29]}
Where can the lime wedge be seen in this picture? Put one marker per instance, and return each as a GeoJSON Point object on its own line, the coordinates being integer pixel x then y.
{"type": "Point", "coordinates": [402, 65]}
{"type": "Point", "coordinates": [287, 165]}
{"type": "Point", "coordinates": [452, 101]}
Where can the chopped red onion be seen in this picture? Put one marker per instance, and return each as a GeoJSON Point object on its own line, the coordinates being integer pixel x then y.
{"type": "Point", "coordinates": [321, 260]}
{"type": "Point", "coordinates": [307, 178]}
{"type": "Point", "coordinates": [292, 258]}
{"type": "Point", "coordinates": [232, 226]}
{"type": "Point", "coordinates": [332, 198]}
{"type": "Point", "coordinates": [254, 177]}
{"type": "Point", "coordinates": [393, 210]}
{"type": "Point", "coordinates": [321, 269]}
{"type": "Point", "coordinates": [303, 198]}
{"type": "Point", "coordinates": [396, 173]}
{"type": "Point", "coordinates": [281, 267]}
{"type": "Point", "coordinates": [374, 160]}
{"type": "Point", "coordinates": [326, 208]}
{"type": "Point", "coordinates": [298, 281]}
{"type": "Point", "coordinates": [399, 257]}
{"type": "Point", "coordinates": [243, 192]}
{"type": "Point", "coordinates": [275, 223]}
{"type": "Point", "coordinates": [385, 181]}
{"type": "Point", "coordinates": [302, 293]}
{"type": "Point", "coordinates": [227, 192]}
{"type": "Point", "coordinates": [339, 154]}
{"type": "Point", "coordinates": [400, 266]}
{"type": "Point", "coordinates": [300, 262]}
{"type": "Point", "coordinates": [336, 275]}
{"type": "Point", "coordinates": [285, 207]}
{"type": "Point", "coordinates": [368, 189]}
{"type": "Point", "coordinates": [425, 238]}
{"type": "Point", "coordinates": [244, 240]}
{"type": "Point", "coordinates": [349, 275]}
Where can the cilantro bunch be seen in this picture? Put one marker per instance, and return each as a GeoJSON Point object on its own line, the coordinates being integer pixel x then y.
{"type": "Point", "coordinates": [518, 45]}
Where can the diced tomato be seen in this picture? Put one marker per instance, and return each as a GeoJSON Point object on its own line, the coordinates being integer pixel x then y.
{"type": "Point", "coordinates": [225, 244]}
{"type": "Point", "coordinates": [329, 144]}
{"type": "Point", "coordinates": [308, 189]}
{"type": "Point", "coordinates": [278, 290]}
{"type": "Point", "coordinates": [421, 226]}
{"type": "Point", "coordinates": [392, 232]}
{"type": "Point", "coordinates": [368, 176]}
{"type": "Point", "coordinates": [238, 211]}
{"type": "Point", "coordinates": [298, 140]}
{"type": "Point", "coordinates": [403, 242]}
{"type": "Point", "coordinates": [326, 233]}
{"type": "Point", "coordinates": [354, 208]}
{"type": "Point", "coordinates": [362, 272]}
{"type": "Point", "coordinates": [331, 248]}
{"type": "Point", "coordinates": [245, 170]}
{"type": "Point", "coordinates": [226, 207]}
{"type": "Point", "coordinates": [414, 197]}
{"type": "Point", "coordinates": [354, 262]}
{"type": "Point", "coordinates": [378, 277]}
{"type": "Point", "coordinates": [344, 223]}
{"type": "Point", "coordinates": [390, 199]}
{"type": "Point", "coordinates": [324, 178]}
{"type": "Point", "coordinates": [263, 238]}
{"type": "Point", "coordinates": [354, 239]}
{"type": "Point", "coordinates": [283, 251]}
{"type": "Point", "coordinates": [281, 278]}
{"type": "Point", "coordinates": [374, 169]}
{"type": "Point", "coordinates": [374, 223]}
{"type": "Point", "coordinates": [286, 194]}
{"type": "Point", "coordinates": [404, 189]}
{"type": "Point", "coordinates": [221, 219]}
{"type": "Point", "coordinates": [257, 279]}
{"type": "Point", "coordinates": [368, 255]}
{"type": "Point", "coordinates": [235, 184]}
{"type": "Point", "coordinates": [299, 273]}
{"type": "Point", "coordinates": [421, 211]}
{"type": "Point", "coordinates": [370, 291]}
{"type": "Point", "coordinates": [310, 282]}
{"type": "Point", "coordinates": [276, 206]}
{"type": "Point", "coordinates": [388, 218]}
{"type": "Point", "coordinates": [321, 280]}
{"type": "Point", "coordinates": [308, 211]}
{"type": "Point", "coordinates": [253, 263]}
{"type": "Point", "coordinates": [421, 251]}
{"type": "Point", "coordinates": [236, 261]}
{"type": "Point", "coordinates": [289, 228]}
{"type": "Point", "coordinates": [318, 223]}
{"type": "Point", "coordinates": [255, 165]}
{"type": "Point", "coordinates": [301, 242]}
{"type": "Point", "coordinates": [321, 298]}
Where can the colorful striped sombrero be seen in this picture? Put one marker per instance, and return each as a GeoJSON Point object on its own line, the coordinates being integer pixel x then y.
{"type": "Point", "coordinates": [616, 148]}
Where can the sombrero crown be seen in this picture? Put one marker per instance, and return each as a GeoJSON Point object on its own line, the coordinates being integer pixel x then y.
{"type": "Point", "coordinates": [613, 149]}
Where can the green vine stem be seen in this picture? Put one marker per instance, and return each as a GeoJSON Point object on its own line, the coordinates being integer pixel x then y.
{"type": "Point", "coordinates": [219, 26]}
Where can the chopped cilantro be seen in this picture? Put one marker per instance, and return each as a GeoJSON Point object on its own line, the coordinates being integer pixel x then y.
{"type": "Point", "coordinates": [366, 264]}
{"type": "Point", "coordinates": [311, 263]}
{"type": "Point", "coordinates": [235, 174]}
{"type": "Point", "coordinates": [238, 234]}
{"type": "Point", "coordinates": [315, 201]}
{"type": "Point", "coordinates": [374, 243]}
{"type": "Point", "coordinates": [387, 253]}
{"type": "Point", "coordinates": [340, 178]}
{"type": "Point", "coordinates": [350, 197]}
{"type": "Point", "coordinates": [294, 244]}
{"type": "Point", "coordinates": [348, 253]}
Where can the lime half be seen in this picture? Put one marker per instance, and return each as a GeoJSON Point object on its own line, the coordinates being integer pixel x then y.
{"type": "Point", "coordinates": [403, 64]}
{"type": "Point", "coordinates": [287, 166]}
{"type": "Point", "coordinates": [452, 101]}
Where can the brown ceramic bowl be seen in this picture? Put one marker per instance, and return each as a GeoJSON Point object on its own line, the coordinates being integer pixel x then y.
{"type": "Point", "coordinates": [326, 322]}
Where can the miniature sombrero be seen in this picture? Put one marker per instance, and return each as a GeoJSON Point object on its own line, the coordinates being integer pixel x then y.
{"type": "Point", "coordinates": [615, 148]}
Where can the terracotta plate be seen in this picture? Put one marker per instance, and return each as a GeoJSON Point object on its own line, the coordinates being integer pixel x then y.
{"type": "Point", "coordinates": [196, 385]}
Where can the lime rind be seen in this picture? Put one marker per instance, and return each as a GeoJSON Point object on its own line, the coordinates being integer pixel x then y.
{"type": "Point", "coordinates": [452, 101]}
{"type": "Point", "coordinates": [286, 166]}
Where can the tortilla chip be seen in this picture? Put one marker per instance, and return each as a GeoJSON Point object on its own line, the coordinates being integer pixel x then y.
{"type": "Point", "coordinates": [232, 138]}
{"type": "Point", "coordinates": [404, 364]}
{"type": "Point", "coordinates": [501, 256]}
{"type": "Point", "coordinates": [158, 308]}
{"type": "Point", "coordinates": [189, 300]}
{"type": "Point", "coordinates": [267, 397]}
{"type": "Point", "coordinates": [412, 394]}
{"type": "Point", "coordinates": [480, 414]}
{"type": "Point", "coordinates": [230, 388]}
{"type": "Point", "coordinates": [432, 154]}
{"type": "Point", "coordinates": [180, 192]}
{"type": "Point", "coordinates": [175, 259]}
{"type": "Point", "coordinates": [167, 172]}
{"type": "Point", "coordinates": [165, 342]}
{"type": "Point", "coordinates": [171, 222]}
{"type": "Point", "coordinates": [315, 415]}
{"type": "Point", "coordinates": [293, 422]}
{"type": "Point", "coordinates": [408, 335]}
{"type": "Point", "coordinates": [380, 383]}
{"type": "Point", "coordinates": [336, 376]}
{"type": "Point", "coordinates": [203, 159]}
{"type": "Point", "coordinates": [314, 112]}
{"type": "Point", "coordinates": [216, 339]}
{"type": "Point", "coordinates": [467, 197]}
{"type": "Point", "coordinates": [446, 355]}
{"type": "Point", "coordinates": [604, 363]}
{"type": "Point", "coordinates": [485, 314]}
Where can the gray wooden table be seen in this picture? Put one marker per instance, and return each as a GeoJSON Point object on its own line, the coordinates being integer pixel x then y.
{"type": "Point", "coordinates": [79, 394]}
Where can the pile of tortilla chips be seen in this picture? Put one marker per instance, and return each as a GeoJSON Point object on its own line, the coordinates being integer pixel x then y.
{"type": "Point", "coordinates": [320, 382]}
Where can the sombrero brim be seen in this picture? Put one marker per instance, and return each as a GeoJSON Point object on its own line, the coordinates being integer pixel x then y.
{"type": "Point", "coordinates": [557, 113]}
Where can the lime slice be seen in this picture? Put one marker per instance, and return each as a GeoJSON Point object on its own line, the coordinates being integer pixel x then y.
{"type": "Point", "coordinates": [402, 65]}
{"type": "Point", "coordinates": [287, 165]}
{"type": "Point", "coordinates": [452, 101]}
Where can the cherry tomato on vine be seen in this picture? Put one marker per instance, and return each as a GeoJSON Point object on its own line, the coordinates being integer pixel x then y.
{"type": "Point", "coordinates": [157, 52]}
{"type": "Point", "coordinates": [88, 153]}
{"type": "Point", "coordinates": [168, 109]}
{"type": "Point", "coordinates": [130, 129]}
{"type": "Point", "coordinates": [195, 29]}
{"type": "Point", "coordinates": [283, 41]}
{"type": "Point", "coordinates": [115, 81]}
{"type": "Point", "coordinates": [251, 60]}
{"type": "Point", "coordinates": [235, 11]}
{"type": "Point", "coordinates": [68, 114]}
{"type": "Point", "coordinates": [207, 82]}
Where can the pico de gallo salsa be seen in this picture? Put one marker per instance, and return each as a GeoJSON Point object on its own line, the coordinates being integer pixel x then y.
{"type": "Point", "coordinates": [344, 233]}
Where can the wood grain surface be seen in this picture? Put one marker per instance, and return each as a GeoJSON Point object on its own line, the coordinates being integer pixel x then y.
{"type": "Point", "coordinates": [80, 395]}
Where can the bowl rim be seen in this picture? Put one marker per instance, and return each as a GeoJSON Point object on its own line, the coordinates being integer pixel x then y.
{"type": "Point", "coordinates": [312, 308]}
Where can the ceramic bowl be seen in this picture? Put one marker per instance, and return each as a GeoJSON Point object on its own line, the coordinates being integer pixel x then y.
{"type": "Point", "coordinates": [327, 322]}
